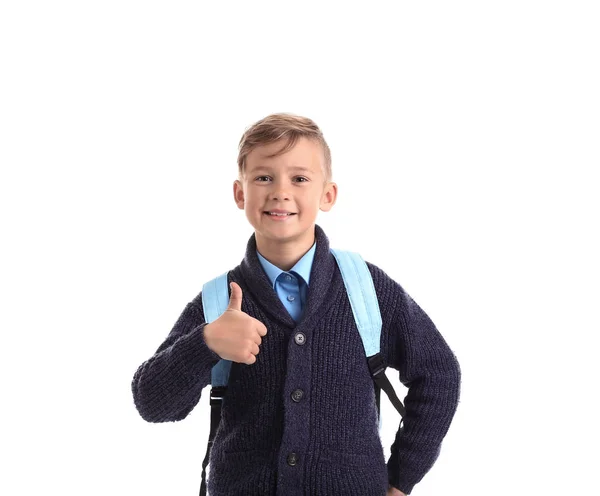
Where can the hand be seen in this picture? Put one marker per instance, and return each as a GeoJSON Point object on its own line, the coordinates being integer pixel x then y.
{"type": "Point", "coordinates": [392, 491]}
{"type": "Point", "coordinates": [235, 335]}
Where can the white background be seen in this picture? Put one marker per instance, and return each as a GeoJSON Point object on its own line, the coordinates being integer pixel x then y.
{"type": "Point", "coordinates": [465, 142]}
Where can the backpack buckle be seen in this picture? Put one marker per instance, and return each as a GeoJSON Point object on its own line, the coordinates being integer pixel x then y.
{"type": "Point", "coordinates": [376, 364]}
{"type": "Point", "coordinates": [216, 395]}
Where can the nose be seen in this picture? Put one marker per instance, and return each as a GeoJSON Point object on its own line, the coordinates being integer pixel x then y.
{"type": "Point", "coordinates": [279, 192]}
{"type": "Point", "coordinates": [278, 196]}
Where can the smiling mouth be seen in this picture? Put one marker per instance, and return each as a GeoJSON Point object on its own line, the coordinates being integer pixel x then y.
{"type": "Point", "coordinates": [279, 215]}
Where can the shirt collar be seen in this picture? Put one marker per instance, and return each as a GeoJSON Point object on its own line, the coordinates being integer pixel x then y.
{"type": "Point", "coordinates": [302, 267]}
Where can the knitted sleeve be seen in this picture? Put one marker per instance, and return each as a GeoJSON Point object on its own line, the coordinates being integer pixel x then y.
{"type": "Point", "coordinates": [168, 386]}
{"type": "Point", "coordinates": [412, 344]}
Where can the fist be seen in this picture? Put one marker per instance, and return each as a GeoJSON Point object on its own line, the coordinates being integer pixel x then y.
{"type": "Point", "coordinates": [235, 335]}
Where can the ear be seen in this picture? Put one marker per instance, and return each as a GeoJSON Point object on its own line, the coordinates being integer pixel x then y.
{"type": "Point", "coordinates": [328, 197]}
{"type": "Point", "coordinates": [238, 194]}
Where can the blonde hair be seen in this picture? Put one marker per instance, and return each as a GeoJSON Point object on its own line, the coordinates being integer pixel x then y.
{"type": "Point", "coordinates": [281, 126]}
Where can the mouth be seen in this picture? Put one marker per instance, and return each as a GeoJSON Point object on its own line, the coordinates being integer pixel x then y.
{"type": "Point", "coordinates": [279, 215]}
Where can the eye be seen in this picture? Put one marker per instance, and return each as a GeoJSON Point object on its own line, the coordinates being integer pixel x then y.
{"type": "Point", "coordinates": [259, 177]}
{"type": "Point", "coordinates": [304, 179]}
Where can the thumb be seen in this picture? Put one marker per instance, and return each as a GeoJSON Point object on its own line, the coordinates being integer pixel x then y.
{"type": "Point", "coordinates": [235, 300]}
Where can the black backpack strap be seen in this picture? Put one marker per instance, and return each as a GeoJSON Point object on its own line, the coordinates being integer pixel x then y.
{"type": "Point", "coordinates": [377, 368]}
{"type": "Point", "coordinates": [216, 400]}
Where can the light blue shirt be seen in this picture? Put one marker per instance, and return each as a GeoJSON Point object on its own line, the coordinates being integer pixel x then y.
{"type": "Point", "coordinates": [291, 286]}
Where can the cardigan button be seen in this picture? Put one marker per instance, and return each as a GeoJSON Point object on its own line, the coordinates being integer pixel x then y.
{"type": "Point", "coordinates": [297, 395]}
{"type": "Point", "coordinates": [300, 338]}
{"type": "Point", "coordinates": [292, 459]}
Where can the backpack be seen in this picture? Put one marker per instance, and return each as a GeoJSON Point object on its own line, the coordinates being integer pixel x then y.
{"type": "Point", "coordinates": [365, 307]}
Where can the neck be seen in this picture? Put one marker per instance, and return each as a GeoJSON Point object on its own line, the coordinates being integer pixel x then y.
{"type": "Point", "coordinates": [285, 253]}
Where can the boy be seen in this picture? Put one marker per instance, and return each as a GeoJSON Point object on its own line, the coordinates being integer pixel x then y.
{"type": "Point", "coordinates": [300, 415]}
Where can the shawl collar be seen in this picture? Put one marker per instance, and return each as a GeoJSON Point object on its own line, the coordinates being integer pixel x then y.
{"type": "Point", "coordinates": [321, 276]}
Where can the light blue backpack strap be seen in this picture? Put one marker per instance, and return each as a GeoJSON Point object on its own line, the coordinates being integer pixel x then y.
{"type": "Point", "coordinates": [215, 299]}
{"type": "Point", "coordinates": [363, 299]}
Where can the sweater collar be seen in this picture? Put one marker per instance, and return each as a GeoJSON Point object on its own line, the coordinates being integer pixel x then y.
{"type": "Point", "coordinates": [321, 275]}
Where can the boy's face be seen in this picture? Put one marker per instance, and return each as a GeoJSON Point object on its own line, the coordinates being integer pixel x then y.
{"type": "Point", "coordinates": [293, 182]}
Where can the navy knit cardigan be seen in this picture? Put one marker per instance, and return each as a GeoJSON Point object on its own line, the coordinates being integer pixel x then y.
{"type": "Point", "coordinates": [302, 420]}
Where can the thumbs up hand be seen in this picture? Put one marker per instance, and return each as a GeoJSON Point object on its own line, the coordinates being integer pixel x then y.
{"type": "Point", "coordinates": [235, 335]}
